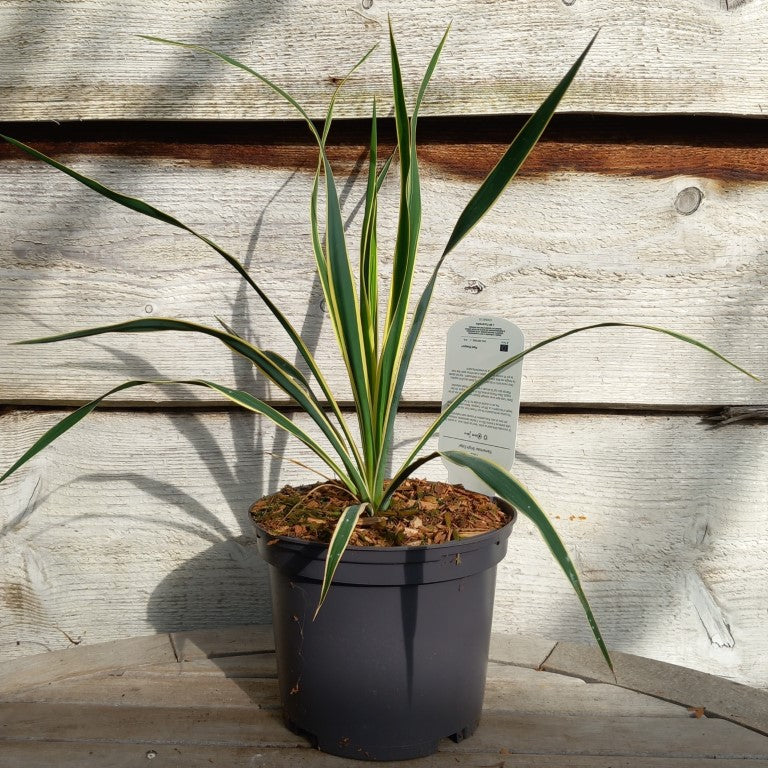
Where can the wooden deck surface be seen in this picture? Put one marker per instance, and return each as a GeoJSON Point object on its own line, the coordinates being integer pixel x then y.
{"type": "Point", "coordinates": [209, 698]}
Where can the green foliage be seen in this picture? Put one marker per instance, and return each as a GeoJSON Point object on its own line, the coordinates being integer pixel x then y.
{"type": "Point", "coordinates": [376, 358]}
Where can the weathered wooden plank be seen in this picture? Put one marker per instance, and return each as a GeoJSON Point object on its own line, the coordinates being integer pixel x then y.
{"type": "Point", "coordinates": [503, 673]}
{"type": "Point", "coordinates": [308, 759]}
{"type": "Point", "coordinates": [157, 725]}
{"type": "Point", "coordinates": [525, 691]}
{"type": "Point", "coordinates": [520, 650]}
{"type": "Point", "coordinates": [59, 665]}
{"type": "Point", "coordinates": [125, 691]}
{"type": "Point", "coordinates": [253, 665]}
{"type": "Point", "coordinates": [589, 701]}
{"type": "Point", "coordinates": [77, 59]}
{"type": "Point", "coordinates": [136, 523]}
{"type": "Point", "coordinates": [651, 736]}
{"type": "Point", "coordinates": [63, 754]}
{"type": "Point", "coordinates": [68, 259]}
{"type": "Point", "coordinates": [68, 755]}
{"type": "Point", "coordinates": [721, 698]}
{"type": "Point", "coordinates": [517, 690]}
{"type": "Point", "coordinates": [232, 641]}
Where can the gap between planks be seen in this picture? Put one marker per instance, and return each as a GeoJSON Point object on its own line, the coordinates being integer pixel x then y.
{"type": "Point", "coordinates": [713, 146]}
{"type": "Point", "coordinates": [716, 412]}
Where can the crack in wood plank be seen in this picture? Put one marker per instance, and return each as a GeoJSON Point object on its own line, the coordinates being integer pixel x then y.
{"type": "Point", "coordinates": [709, 612]}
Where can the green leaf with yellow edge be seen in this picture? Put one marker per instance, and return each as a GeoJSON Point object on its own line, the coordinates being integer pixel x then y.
{"type": "Point", "coordinates": [140, 206]}
{"type": "Point", "coordinates": [335, 269]}
{"type": "Point", "coordinates": [244, 399]}
{"type": "Point", "coordinates": [341, 535]}
{"type": "Point", "coordinates": [270, 365]}
{"type": "Point", "coordinates": [476, 208]}
{"type": "Point", "coordinates": [512, 491]}
{"type": "Point", "coordinates": [406, 247]}
{"type": "Point", "coordinates": [403, 472]}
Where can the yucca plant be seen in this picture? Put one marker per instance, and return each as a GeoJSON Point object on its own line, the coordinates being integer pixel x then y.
{"type": "Point", "coordinates": [376, 354]}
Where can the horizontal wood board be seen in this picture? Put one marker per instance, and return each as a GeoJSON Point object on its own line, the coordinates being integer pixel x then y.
{"type": "Point", "coordinates": [704, 694]}
{"type": "Point", "coordinates": [594, 230]}
{"type": "Point", "coordinates": [508, 689]}
{"type": "Point", "coordinates": [504, 733]}
{"type": "Point", "coordinates": [134, 523]}
{"type": "Point", "coordinates": [121, 708]}
{"type": "Point", "coordinates": [78, 59]}
{"type": "Point", "coordinates": [63, 754]}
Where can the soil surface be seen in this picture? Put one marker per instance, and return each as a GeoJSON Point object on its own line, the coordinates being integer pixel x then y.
{"type": "Point", "coordinates": [421, 512]}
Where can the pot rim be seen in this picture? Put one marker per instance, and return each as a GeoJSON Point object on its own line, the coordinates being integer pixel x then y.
{"type": "Point", "coordinates": [479, 538]}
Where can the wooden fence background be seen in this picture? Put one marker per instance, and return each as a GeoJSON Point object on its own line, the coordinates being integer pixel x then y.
{"type": "Point", "coordinates": [645, 202]}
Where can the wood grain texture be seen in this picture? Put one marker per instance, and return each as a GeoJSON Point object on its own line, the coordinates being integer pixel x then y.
{"type": "Point", "coordinates": [521, 733]}
{"type": "Point", "coordinates": [732, 701]}
{"type": "Point", "coordinates": [63, 754]}
{"type": "Point", "coordinates": [519, 650]}
{"type": "Point", "coordinates": [728, 148]}
{"type": "Point", "coordinates": [509, 689]}
{"type": "Point", "coordinates": [133, 523]}
{"type": "Point", "coordinates": [155, 710]}
{"type": "Point", "coordinates": [213, 643]}
{"type": "Point", "coordinates": [228, 726]}
{"type": "Point", "coordinates": [169, 691]}
{"type": "Point", "coordinates": [526, 691]}
{"type": "Point", "coordinates": [78, 59]}
{"type": "Point", "coordinates": [652, 737]}
{"type": "Point", "coordinates": [562, 249]}
{"type": "Point", "coordinates": [62, 665]}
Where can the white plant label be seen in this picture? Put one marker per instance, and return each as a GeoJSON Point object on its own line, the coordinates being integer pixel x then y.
{"type": "Point", "coordinates": [485, 424]}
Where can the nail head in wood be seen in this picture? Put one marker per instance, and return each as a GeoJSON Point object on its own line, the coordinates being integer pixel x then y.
{"type": "Point", "coordinates": [688, 200]}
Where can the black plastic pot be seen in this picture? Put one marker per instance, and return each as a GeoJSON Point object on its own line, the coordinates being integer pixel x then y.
{"type": "Point", "coordinates": [397, 657]}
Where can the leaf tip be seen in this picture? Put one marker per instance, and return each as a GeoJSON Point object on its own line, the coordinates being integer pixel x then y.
{"type": "Point", "coordinates": [591, 42]}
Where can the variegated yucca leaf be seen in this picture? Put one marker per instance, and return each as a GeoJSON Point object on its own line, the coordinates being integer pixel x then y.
{"type": "Point", "coordinates": [241, 398]}
{"type": "Point", "coordinates": [342, 533]}
{"type": "Point", "coordinates": [513, 492]}
{"type": "Point", "coordinates": [273, 366]}
{"type": "Point", "coordinates": [489, 191]}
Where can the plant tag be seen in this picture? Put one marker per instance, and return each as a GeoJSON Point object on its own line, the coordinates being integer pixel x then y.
{"type": "Point", "coordinates": [485, 424]}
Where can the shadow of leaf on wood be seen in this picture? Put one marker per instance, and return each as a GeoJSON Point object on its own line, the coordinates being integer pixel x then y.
{"type": "Point", "coordinates": [224, 585]}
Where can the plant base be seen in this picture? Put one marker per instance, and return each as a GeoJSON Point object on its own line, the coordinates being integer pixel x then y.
{"type": "Point", "coordinates": [397, 658]}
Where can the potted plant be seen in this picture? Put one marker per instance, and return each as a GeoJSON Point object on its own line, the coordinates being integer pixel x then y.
{"type": "Point", "coordinates": [396, 658]}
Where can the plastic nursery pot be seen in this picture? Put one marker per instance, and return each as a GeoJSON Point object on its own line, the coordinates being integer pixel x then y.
{"type": "Point", "coordinates": [397, 657]}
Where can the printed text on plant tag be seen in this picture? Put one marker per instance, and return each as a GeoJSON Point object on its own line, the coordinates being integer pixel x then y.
{"type": "Point", "coordinates": [485, 424]}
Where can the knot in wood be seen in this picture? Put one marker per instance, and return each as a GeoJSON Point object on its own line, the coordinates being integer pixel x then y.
{"type": "Point", "coordinates": [474, 286]}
